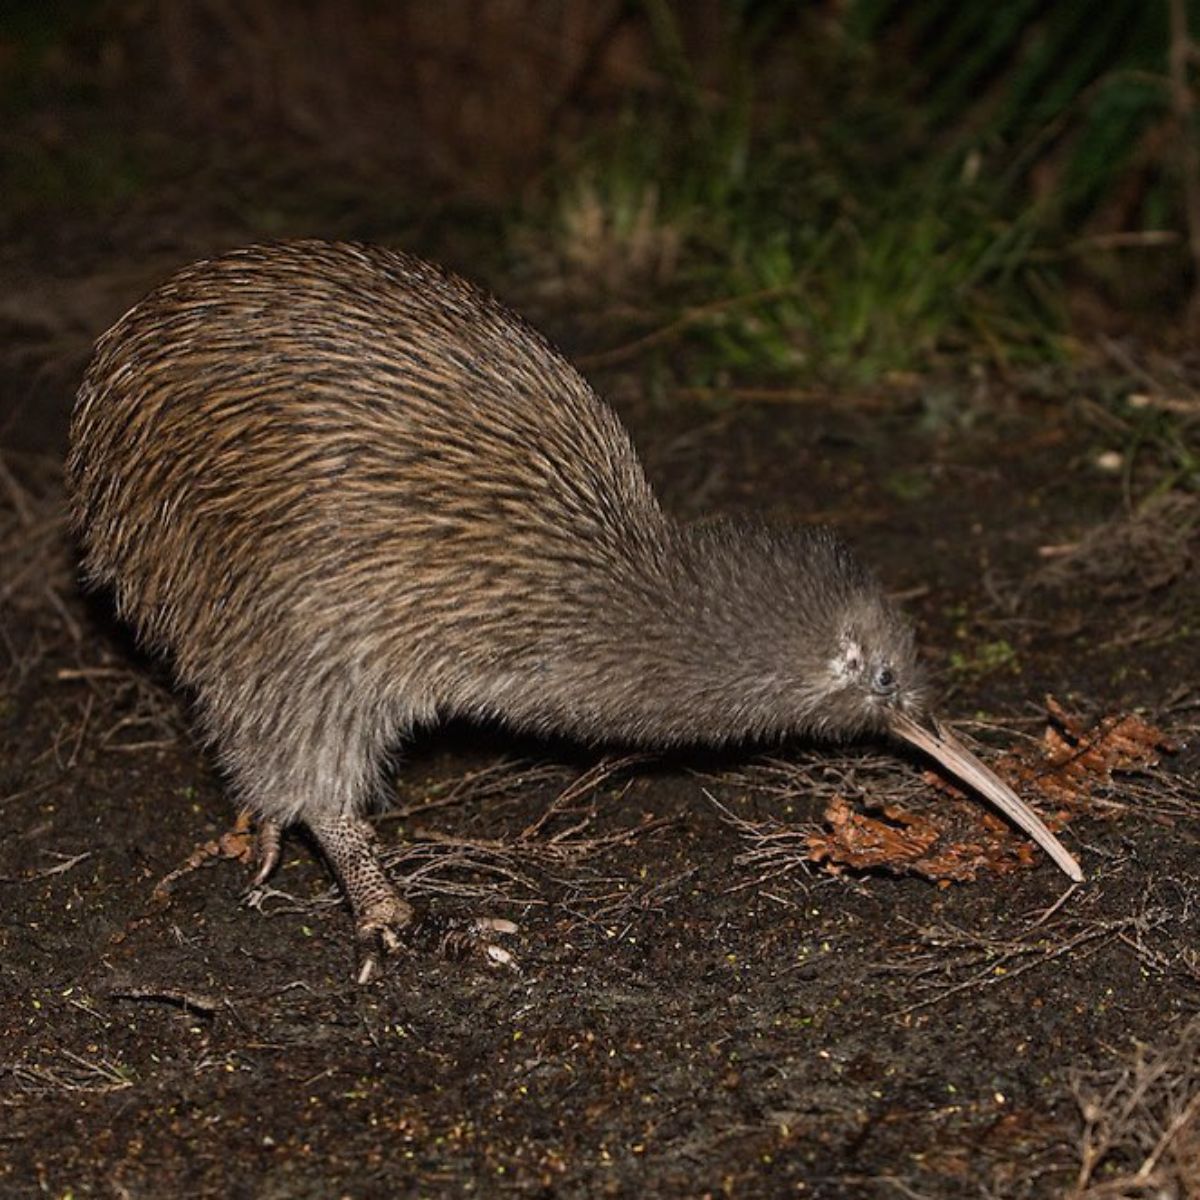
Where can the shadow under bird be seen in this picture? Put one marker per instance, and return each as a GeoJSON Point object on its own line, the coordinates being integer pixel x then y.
{"type": "Point", "coordinates": [349, 494]}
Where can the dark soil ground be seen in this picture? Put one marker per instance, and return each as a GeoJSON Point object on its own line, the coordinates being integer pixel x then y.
{"type": "Point", "coordinates": [696, 1010]}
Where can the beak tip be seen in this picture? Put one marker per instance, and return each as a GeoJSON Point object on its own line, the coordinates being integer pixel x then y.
{"type": "Point", "coordinates": [927, 734]}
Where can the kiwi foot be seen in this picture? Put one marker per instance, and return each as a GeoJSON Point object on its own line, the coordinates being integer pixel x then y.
{"type": "Point", "coordinates": [384, 922]}
{"type": "Point", "coordinates": [249, 840]}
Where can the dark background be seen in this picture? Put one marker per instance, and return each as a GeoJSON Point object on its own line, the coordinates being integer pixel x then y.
{"type": "Point", "coordinates": [859, 188]}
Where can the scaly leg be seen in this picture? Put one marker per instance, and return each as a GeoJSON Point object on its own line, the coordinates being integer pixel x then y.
{"type": "Point", "coordinates": [383, 920]}
{"type": "Point", "coordinates": [380, 913]}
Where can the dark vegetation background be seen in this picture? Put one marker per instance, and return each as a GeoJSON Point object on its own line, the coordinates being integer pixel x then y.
{"type": "Point", "coordinates": [927, 270]}
{"type": "Point", "coordinates": [846, 191]}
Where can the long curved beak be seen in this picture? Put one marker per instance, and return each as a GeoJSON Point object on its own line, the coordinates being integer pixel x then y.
{"type": "Point", "coordinates": [955, 757]}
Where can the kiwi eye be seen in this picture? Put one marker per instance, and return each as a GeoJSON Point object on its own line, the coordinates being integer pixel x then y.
{"type": "Point", "coordinates": [885, 680]}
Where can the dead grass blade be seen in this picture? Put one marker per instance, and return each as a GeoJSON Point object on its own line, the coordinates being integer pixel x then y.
{"type": "Point", "coordinates": [1140, 1123]}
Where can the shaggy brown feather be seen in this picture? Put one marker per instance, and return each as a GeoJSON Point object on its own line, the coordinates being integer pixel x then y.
{"type": "Point", "coordinates": [348, 493]}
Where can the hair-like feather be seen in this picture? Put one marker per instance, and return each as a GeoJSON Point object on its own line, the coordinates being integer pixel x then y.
{"type": "Point", "coordinates": [348, 492]}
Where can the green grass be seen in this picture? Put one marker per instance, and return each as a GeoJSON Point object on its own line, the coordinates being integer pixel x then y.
{"type": "Point", "coordinates": [774, 259]}
{"type": "Point", "coordinates": [914, 190]}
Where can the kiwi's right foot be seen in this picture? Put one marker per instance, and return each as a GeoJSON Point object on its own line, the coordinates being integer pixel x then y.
{"type": "Point", "coordinates": [249, 840]}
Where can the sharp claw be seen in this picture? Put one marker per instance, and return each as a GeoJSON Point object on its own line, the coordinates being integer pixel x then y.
{"type": "Point", "coordinates": [390, 941]}
{"type": "Point", "coordinates": [368, 969]}
{"type": "Point", "coordinates": [377, 943]}
{"type": "Point", "coordinates": [500, 956]}
{"type": "Point", "coordinates": [472, 938]}
{"type": "Point", "coordinates": [452, 938]}
{"type": "Point", "coordinates": [495, 925]}
{"type": "Point", "coordinates": [268, 836]}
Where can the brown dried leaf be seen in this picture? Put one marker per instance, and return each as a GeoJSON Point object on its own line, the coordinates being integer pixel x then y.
{"type": "Point", "coordinates": [958, 837]}
{"type": "Point", "coordinates": [1076, 763]}
{"type": "Point", "coordinates": [903, 842]}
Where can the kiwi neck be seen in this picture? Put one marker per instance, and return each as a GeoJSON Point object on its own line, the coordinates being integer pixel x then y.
{"type": "Point", "coordinates": [694, 639]}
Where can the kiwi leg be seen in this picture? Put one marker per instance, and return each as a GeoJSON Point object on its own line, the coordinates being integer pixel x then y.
{"type": "Point", "coordinates": [383, 920]}
{"type": "Point", "coordinates": [381, 914]}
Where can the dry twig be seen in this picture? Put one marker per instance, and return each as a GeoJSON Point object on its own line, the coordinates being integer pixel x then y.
{"type": "Point", "coordinates": [1140, 1135]}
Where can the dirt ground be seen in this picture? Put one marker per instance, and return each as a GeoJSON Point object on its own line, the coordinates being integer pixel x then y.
{"type": "Point", "coordinates": [697, 1008]}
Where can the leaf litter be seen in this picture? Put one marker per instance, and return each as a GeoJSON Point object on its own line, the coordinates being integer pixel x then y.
{"type": "Point", "coordinates": [1071, 771]}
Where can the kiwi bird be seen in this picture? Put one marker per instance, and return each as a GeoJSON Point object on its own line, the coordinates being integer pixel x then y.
{"type": "Point", "coordinates": [349, 493]}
